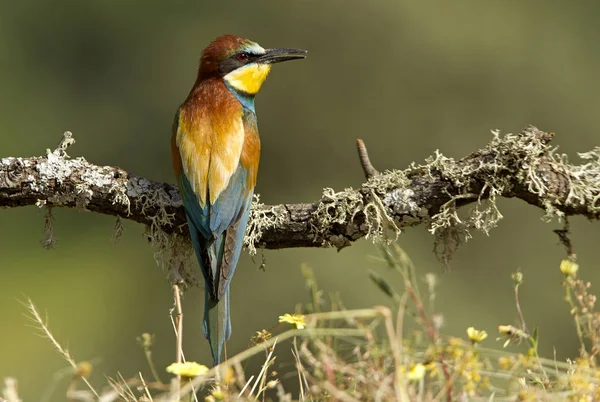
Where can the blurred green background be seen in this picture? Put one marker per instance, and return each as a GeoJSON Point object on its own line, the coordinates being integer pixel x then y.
{"type": "Point", "coordinates": [407, 77]}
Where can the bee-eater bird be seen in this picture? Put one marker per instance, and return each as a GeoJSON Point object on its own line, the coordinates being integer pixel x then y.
{"type": "Point", "coordinates": [215, 150]}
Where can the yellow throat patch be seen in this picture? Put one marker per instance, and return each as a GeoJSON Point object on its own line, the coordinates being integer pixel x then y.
{"type": "Point", "coordinates": [248, 78]}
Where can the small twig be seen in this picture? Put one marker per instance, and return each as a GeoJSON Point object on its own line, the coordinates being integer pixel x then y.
{"type": "Point", "coordinates": [178, 332]}
{"type": "Point", "coordinates": [521, 317]}
{"type": "Point", "coordinates": [126, 388]}
{"type": "Point", "coordinates": [145, 387]}
{"type": "Point", "coordinates": [146, 341]}
{"type": "Point", "coordinates": [365, 161]}
{"type": "Point", "coordinates": [300, 369]}
{"type": "Point", "coordinates": [563, 236]}
{"type": "Point", "coordinates": [246, 386]}
{"type": "Point", "coordinates": [518, 304]}
{"type": "Point", "coordinates": [576, 316]}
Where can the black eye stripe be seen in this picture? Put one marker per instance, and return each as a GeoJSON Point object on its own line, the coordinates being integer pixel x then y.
{"type": "Point", "coordinates": [233, 62]}
{"type": "Point", "coordinates": [249, 57]}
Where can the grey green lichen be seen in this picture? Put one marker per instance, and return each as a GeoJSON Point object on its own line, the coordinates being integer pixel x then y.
{"type": "Point", "coordinates": [335, 207]}
{"type": "Point", "coordinates": [524, 150]}
{"type": "Point", "coordinates": [173, 250]}
{"type": "Point", "coordinates": [450, 229]}
{"type": "Point", "coordinates": [386, 202]}
{"type": "Point", "coordinates": [261, 219]}
{"type": "Point", "coordinates": [342, 208]}
{"type": "Point", "coordinates": [56, 167]}
{"type": "Point", "coordinates": [583, 182]}
{"type": "Point", "coordinates": [395, 197]}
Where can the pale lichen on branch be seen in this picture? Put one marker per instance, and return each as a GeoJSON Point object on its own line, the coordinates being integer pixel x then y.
{"type": "Point", "coordinates": [520, 166]}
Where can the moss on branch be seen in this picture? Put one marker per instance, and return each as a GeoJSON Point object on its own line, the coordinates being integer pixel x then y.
{"type": "Point", "coordinates": [523, 166]}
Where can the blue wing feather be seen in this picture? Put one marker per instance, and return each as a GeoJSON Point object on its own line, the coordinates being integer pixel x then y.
{"type": "Point", "coordinates": [226, 209]}
{"type": "Point", "coordinates": [198, 215]}
{"type": "Point", "coordinates": [208, 225]}
{"type": "Point", "coordinates": [217, 233]}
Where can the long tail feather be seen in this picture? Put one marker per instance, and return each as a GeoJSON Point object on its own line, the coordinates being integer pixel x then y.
{"type": "Point", "coordinates": [217, 324]}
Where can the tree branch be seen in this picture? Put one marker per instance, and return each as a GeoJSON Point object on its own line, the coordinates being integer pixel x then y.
{"type": "Point", "coordinates": [522, 166]}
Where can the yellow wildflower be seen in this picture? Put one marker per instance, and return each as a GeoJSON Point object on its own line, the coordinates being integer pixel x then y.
{"type": "Point", "coordinates": [187, 369]}
{"type": "Point", "coordinates": [476, 335]}
{"type": "Point", "coordinates": [294, 319]}
{"type": "Point", "coordinates": [569, 268]}
{"type": "Point", "coordinates": [83, 369]}
{"type": "Point", "coordinates": [433, 369]}
{"type": "Point", "coordinates": [456, 342]}
{"type": "Point", "coordinates": [216, 395]}
{"type": "Point", "coordinates": [485, 383]}
{"type": "Point", "coordinates": [506, 363]}
{"type": "Point", "coordinates": [229, 377]}
{"type": "Point", "coordinates": [417, 372]}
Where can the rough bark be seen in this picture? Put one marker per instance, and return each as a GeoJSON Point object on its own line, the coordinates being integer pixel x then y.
{"type": "Point", "coordinates": [522, 166]}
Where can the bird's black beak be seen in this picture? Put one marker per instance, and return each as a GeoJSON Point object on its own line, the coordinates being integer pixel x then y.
{"type": "Point", "coordinates": [278, 55]}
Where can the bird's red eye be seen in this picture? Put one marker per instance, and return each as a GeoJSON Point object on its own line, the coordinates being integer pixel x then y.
{"type": "Point", "coordinates": [242, 56]}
